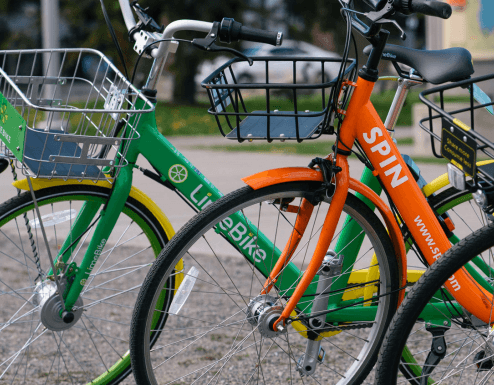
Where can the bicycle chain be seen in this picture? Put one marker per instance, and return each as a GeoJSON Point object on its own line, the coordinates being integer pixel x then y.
{"type": "Point", "coordinates": [28, 227]}
{"type": "Point", "coordinates": [343, 327]}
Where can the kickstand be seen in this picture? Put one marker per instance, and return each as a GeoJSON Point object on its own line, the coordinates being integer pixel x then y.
{"type": "Point", "coordinates": [437, 353]}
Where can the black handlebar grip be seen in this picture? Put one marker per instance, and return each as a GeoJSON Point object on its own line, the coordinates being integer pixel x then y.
{"type": "Point", "coordinates": [431, 8]}
{"type": "Point", "coordinates": [261, 36]}
{"type": "Point", "coordinates": [231, 30]}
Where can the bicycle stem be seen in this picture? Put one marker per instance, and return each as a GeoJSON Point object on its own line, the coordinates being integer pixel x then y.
{"type": "Point", "coordinates": [165, 47]}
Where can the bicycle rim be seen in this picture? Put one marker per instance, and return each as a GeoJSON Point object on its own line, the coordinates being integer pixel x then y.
{"type": "Point", "coordinates": [96, 347]}
{"type": "Point", "coordinates": [210, 338]}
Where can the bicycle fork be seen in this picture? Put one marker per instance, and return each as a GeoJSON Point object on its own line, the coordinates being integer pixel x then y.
{"type": "Point", "coordinates": [64, 301]}
{"type": "Point", "coordinates": [106, 222]}
{"type": "Point", "coordinates": [327, 233]}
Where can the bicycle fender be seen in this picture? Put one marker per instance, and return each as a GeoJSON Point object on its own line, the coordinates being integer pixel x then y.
{"type": "Point", "coordinates": [135, 193]}
{"type": "Point", "coordinates": [297, 174]}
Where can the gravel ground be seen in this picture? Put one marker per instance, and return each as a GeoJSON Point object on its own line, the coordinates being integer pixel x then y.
{"type": "Point", "coordinates": [86, 350]}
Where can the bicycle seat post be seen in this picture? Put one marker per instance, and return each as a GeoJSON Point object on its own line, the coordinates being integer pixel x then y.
{"type": "Point", "coordinates": [401, 94]}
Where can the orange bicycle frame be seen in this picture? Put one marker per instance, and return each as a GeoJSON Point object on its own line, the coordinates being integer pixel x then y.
{"type": "Point", "coordinates": [362, 123]}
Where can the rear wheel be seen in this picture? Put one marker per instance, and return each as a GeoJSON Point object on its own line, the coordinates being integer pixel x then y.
{"type": "Point", "coordinates": [217, 330]}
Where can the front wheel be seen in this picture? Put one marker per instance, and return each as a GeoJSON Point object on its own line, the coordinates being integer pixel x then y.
{"type": "Point", "coordinates": [217, 325]}
{"type": "Point", "coordinates": [36, 347]}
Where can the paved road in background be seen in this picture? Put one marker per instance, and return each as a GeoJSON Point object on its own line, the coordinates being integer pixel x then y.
{"type": "Point", "coordinates": [223, 168]}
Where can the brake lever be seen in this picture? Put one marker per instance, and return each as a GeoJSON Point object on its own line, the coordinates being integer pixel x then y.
{"type": "Point", "coordinates": [146, 20]}
{"type": "Point", "coordinates": [208, 44]}
{"type": "Point", "coordinates": [403, 35]}
{"type": "Point", "coordinates": [216, 48]}
{"type": "Point", "coordinates": [375, 17]}
{"type": "Point", "coordinates": [380, 17]}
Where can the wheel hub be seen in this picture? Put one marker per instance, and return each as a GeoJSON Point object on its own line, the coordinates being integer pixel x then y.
{"type": "Point", "coordinates": [262, 312]}
{"type": "Point", "coordinates": [47, 298]}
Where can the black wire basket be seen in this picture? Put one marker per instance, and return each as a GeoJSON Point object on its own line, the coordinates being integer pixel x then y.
{"type": "Point", "coordinates": [461, 126]}
{"type": "Point", "coordinates": [289, 98]}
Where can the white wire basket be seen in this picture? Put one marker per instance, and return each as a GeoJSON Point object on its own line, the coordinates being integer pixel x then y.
{"type": "Point", "coordinates": [67, 113]}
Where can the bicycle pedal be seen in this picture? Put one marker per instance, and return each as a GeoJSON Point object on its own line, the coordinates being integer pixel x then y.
{"type": "Point", "coordinates": [482, 364]}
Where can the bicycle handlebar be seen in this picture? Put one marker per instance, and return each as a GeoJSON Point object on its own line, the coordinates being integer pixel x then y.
{"type": "Point", "coordinates": [231, 30]}
{"type": "Point", "coordinates": [425, 7]}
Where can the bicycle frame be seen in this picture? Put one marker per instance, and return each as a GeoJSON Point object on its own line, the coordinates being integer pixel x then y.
{"type": "Point", "coordinates": [196, 188]}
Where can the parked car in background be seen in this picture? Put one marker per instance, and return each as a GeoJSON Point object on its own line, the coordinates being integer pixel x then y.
{"type": "Point", "coordinates": [279, 72]}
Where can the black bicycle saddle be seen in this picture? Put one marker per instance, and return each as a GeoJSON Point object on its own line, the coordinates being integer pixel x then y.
{"type": "Point", "coordinates": [436, 67]}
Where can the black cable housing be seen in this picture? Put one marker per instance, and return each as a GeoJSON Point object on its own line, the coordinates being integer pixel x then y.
{"type": "Point", "coordinates": [114, 38]}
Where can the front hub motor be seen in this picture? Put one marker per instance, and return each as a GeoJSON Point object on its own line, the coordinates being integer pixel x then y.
{"type": "Point", "coordinates": [47, 298]}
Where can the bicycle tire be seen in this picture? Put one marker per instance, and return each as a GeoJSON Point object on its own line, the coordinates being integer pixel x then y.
{"type": "Point", "coordinates": [458, 364]}
{"type": "Point", "coordinates": [183, 245]}
{"type": "Point", "coordinates": [94, 350]}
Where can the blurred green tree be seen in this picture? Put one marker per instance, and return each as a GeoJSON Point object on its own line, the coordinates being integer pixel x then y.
{"type": "Point", "coordinates": [19, 24]}
{"type": "Point", "coordinates": [88, 29]}
{"type": "Point", "coordinates": [187, 58]}
{"type": "Point", "coordinates": [323, 13]}
{"type": "Point", "coordinates": [85, 26]}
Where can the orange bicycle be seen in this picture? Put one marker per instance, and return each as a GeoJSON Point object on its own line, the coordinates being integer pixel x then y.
{"type": "Point", "coordinates": [266, 320]}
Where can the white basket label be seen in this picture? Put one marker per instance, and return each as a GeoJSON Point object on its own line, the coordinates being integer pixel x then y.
{"type": "Point", "coordinates": [114, 100]}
